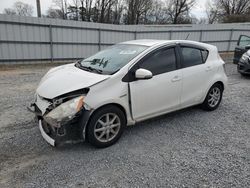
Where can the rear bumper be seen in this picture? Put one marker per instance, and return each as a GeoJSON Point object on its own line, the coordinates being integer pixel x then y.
{"type": "Point", "coordinates": [243, 68]}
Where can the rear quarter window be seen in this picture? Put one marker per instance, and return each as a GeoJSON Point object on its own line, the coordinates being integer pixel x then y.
{"type": "Point", "coordinates": [204, 54]}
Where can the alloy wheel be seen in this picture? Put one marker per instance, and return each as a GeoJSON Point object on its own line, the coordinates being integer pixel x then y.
{"type": "Point", "coordinates": [107, 127]}
{"type": "Point", "coordinates": [214, 97]}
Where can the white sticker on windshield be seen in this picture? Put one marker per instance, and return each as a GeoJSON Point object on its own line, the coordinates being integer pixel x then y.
{"type": "Point", "coordinates": [128, 52]}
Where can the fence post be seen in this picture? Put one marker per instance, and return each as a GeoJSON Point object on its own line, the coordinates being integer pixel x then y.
{"type": "Point", "coordinates": [170, 35]}
{"type": "Point", "coordinates": [135, 35]}
{"type": "Point", "coordinates": [200, 36]}
{"type": "Point", "coordinates": [51, 44]}
{"type": "Point", "coordinates": [230, 39]}
{"type": "Point", "coordinates": [99, 39]}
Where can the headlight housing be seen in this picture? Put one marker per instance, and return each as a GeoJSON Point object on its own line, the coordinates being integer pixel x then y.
{"type": "Point", "coordinates": [245, 58]}
{"type": "Point", "coordinates": [65, 111]}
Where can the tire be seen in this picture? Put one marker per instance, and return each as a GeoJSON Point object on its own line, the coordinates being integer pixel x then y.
{"type": "Point", "coordinates": [101, 131]}
{"type": "Point", "coordinates": [213, 98]}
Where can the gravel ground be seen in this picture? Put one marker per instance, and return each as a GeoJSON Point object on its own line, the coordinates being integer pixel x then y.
{"type": "Point", "coordinates": [189, 148]}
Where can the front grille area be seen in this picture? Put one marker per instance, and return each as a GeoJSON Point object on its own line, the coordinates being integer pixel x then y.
{"type": "Point", "coordinates": [240, 67]}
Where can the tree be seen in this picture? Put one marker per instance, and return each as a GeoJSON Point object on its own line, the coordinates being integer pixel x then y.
{"type": "Point", "coordinates": [212, 12]}
{"type": "Point", "coordinates": [178, 10]}
{"type": "Point", "coordinates": [118, 11]}
{"type": "Point", "coordinates": [104, 7]}
{"type": "Point", "coordinates": [125, 11]}
{"type": "Point", "coordinates": [9, 11]}
{"type": "Point", "coordinates": [233, 10]}
{"type": "Point", "coordinates": [55, 13]}
{"type": "Point", "coordinates": [63, 6]}
{"type": "Point", "coordinates": [20, 9]}
{"type": "Point", "coordinates": [72, 12]}
{"type": "Point", "coordinates": [136, 9]}
{"type": "Point", "coordinates": [157, 13]}
{"type": "Point", "coordinates": [86, 10]}
{"type": "Point", "coordinates": [76, 8]}
{"type": "Point", "coordinates": [233, 7]}
{"type": "Point", "coordinates": [23, 9]}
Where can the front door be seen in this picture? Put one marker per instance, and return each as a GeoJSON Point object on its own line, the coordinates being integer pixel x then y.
{"type": "Point", "coordinates": [241, 48]}
{"type": "Point", "coordinates": [161, 93]}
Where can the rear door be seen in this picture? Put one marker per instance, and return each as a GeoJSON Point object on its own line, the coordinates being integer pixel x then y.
{"type": "Point", "coordinates": [242, 46]}
{"type": "Point", "coordinates": [195, 74]}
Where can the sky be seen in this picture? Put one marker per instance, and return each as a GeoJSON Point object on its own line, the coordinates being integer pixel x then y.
{"type": "Point", "coordinates": [198, 10]}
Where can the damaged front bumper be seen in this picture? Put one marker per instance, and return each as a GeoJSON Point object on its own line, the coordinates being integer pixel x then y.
{"type": "Point", "coordinates": [72, 130]}
{"type": "Point", "coordinates": [46, 137]}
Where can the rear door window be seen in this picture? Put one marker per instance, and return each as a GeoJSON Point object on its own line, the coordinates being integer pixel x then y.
{"type": "Point", "coordinates": [193, 56]}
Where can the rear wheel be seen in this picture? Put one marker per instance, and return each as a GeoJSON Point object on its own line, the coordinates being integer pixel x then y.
{"type": "Point", "coordinates": [213, 98]}
{"type": "Point", "coordinates": [106, 126]}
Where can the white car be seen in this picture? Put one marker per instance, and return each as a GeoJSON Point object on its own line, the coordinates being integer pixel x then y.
{"type": "Point", "coordinates": [95, 98]}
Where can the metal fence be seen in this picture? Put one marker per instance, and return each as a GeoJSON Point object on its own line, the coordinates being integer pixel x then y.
{"type": "Point", "coordinates": [25, 39]}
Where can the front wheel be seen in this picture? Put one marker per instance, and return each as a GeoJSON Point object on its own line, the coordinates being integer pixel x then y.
{"type": "Point", "coordinates": [106, 126]}
{"type": "Point", "coordinates": [213, 98]}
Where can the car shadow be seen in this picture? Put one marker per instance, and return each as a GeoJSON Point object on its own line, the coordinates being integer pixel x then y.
{"type": "Point", "coordinates": [167, 117]}
{"type": "Point", "coordinates": [145, 125]}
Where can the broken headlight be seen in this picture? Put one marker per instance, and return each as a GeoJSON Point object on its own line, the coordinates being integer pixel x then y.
{"type": "Point", "coordinates": [65, 111]}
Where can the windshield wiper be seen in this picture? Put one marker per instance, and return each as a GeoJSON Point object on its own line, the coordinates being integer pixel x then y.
{"type": "Point", "coordinates": [88, 68]}
{"type": "Point", "coordinates": [91, 69]}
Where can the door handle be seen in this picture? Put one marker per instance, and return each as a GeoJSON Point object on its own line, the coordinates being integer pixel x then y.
{"type": "Point", "coordinates": [176, 79]}
{"type": "Point", "coordinates": [208, 68]}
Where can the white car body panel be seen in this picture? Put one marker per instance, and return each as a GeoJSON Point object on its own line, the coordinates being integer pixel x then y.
{"type": "Point", "coordinates": [66, 78]}
{"type": "Point", "coordinates": [148, 97]}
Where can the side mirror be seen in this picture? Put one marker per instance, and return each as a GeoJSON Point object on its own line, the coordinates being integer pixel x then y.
{"type": "Point", "coordinates": [143, 74]}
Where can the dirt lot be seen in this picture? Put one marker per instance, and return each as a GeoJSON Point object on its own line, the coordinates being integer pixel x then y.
{"type": "Point", "coordinates": [189, 148]}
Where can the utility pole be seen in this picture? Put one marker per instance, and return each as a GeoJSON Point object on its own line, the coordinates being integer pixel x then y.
{"type": "Point", "coordinates": [38, 6]}
{"type": "Point", "coordinates": [82, 11]}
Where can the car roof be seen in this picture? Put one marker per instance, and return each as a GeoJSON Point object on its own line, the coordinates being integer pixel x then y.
{"type": "Point", "coordinates": [154, 42]}
{"type": "Point", "coordinates": [145, 42]}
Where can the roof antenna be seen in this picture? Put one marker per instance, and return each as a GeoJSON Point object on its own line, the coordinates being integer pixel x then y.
{"type": "Point", "coordinates": [187, 36]}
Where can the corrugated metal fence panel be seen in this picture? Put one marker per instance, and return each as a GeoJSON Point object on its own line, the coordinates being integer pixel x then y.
{"type": "Point", "coordinates": [162, 36]}
{"type": "Point", "coordinates": [194, 35]}
{"type": "Point", "coordinates": [216, 35]}
{"type": "Point", "coordinates": [112, 37]}
{"type": "Point", "coordinates": [31, 39]}
{"type": "Point", "coordinates": [62, 51]}
{"type": "Point", "coordinates": [74, 35]}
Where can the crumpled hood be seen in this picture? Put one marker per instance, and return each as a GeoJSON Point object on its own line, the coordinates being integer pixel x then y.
{"type": "Point", "coordinates": [66, 78]}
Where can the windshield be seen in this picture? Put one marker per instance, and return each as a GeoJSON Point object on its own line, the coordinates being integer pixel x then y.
{"type": "Point", "coordinates": [111, 59]}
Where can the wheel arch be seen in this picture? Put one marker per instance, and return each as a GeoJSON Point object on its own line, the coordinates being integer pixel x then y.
{"type": "Point", "coordinates": [215, 82]}
{"type": "Point", "coordinates": [111, 104]}
{"type": "Point", "coordinates": [221, 83]}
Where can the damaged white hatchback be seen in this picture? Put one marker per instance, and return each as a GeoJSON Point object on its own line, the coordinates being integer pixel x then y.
{"type": "Point", "coordinates": [95, 98]}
